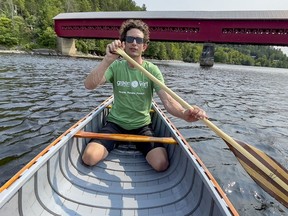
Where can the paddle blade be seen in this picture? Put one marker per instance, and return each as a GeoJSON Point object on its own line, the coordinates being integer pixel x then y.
{"type": "Point", "coordinates": [278, 189]}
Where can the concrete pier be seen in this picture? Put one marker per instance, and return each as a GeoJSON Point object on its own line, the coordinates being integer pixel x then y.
{"type": "Point", "coordinates": [66, 46]}
{"type": "Point", "coordinates": [207, 56]}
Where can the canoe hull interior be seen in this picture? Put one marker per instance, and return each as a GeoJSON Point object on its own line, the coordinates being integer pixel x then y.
{"type": "Point", "coordinates": [123, 184]}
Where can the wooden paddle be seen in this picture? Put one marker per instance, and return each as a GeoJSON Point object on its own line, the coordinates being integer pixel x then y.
{"type": "Point", "coordinates": [125, 137]}
{"type": "Point", "coordinates": [269, 174]}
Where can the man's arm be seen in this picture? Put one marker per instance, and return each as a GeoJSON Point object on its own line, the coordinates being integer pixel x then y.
{"type": "Point", "coordinates": [96, 76]}
{"type": "Point", "coordinates": [175, 109]}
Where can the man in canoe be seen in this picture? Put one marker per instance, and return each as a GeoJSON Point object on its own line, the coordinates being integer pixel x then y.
{"type": "Point", "coordinates": [133, 93]}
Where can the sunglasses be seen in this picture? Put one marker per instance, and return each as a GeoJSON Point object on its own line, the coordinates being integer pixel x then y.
{"type": "Point", "coordinates": [130, 39]}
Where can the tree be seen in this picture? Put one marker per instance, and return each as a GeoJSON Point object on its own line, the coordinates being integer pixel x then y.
{"type": "Point", "coordinates": [173, 51]}
{"type": "Point", "coordinates": [84, 5]}
{"type": "Point", "coordinates": [48, 38]}
{"type": "Point", "coordinates": [7, 36]}
{"type": "Point", "coordinates": [191, 52]}
{"type": "Point", "coordinates": [220, 55]}
{"type": "Point", "coordinates": [48, 10]}
{"type": "Point", "coordinates": [162, 51]}
{"type": "Point", "coordinates": [153, 50]}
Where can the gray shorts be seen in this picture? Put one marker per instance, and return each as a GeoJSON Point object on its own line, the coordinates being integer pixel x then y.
{"type": "Point", "coordinates": [111, 127]}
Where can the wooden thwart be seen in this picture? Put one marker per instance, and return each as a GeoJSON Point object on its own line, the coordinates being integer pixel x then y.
{"type": "Point", "coordinates": [125, 137]}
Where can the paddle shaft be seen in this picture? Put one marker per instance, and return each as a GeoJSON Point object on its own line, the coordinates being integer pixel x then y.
{"type": "Point", "coordinates": [125, 137]}
{"type": "Point", "coordinates": [213, 127]}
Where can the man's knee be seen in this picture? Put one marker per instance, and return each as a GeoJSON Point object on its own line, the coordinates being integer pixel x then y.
{"type": "Point", "coordinates": [94, 153]}
{"type": "Point", "coordinates": [161, 165]}
{"type": "Point", "coordinates": [87, 159]}
{"type": "Point", "coordinates": [158, 159]}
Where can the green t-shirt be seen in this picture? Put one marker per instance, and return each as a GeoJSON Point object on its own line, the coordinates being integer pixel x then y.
{"type": "Point", "coordinates": [133, 93]}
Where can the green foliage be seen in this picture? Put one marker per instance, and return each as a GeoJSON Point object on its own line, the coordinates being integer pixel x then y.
{"type": "Point", "coordinates": [265, 56]}
{"type": "Point", "coordinates": [81, 45]}
{"type": "Point", "coordinates": [7, 36]}
{"type": "Point", "coordinates": [191, 52]}
{"type": "Point", "coordinates": [29, 24]}
{"type": "Point", "coordinates": [153, 50]}
{"type": "Point", "coordinates": [174, 51]}
{"type": "Point", "coordinates": [48, 38]}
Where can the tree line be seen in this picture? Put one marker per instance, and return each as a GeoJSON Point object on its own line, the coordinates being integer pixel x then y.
{"type": "Point", "coordinates": [28, 24]}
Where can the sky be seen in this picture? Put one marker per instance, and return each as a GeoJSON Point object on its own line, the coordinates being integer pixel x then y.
{"type": "Point", "coordinates": [214, 5]}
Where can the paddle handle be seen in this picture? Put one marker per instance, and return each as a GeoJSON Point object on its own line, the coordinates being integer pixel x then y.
{"type": "Point", "coordinates": [125, 137]}
{"type": "Point", "coordinates": [213, 127]}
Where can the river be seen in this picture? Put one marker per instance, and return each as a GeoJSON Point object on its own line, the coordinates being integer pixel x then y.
{"type": "Point", "coordinates": [42, 96]}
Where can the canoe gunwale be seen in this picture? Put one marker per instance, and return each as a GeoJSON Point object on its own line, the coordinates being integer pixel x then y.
{"type": "Point", "coordinates": [19, 179]}
{"type": "Point", "coordinates": [202, 170]}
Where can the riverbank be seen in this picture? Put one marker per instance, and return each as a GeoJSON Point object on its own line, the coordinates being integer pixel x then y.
{"type": "Point", "coordinates": [13, 51]}
{"type": "Point", "coordinates": [49, 52]}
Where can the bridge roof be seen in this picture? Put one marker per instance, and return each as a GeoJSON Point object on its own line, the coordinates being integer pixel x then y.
{"type": "Point", "coordinates": [215, 15]}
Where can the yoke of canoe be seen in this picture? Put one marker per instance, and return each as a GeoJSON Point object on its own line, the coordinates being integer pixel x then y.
{"type": "Point", "coordinates": [125, 137]}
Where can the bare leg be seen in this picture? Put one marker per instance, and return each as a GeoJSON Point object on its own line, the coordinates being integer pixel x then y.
{"type": "Point", "coordinates": [94, 153]}
{"type": "Point", "coordinates": [158, 159]}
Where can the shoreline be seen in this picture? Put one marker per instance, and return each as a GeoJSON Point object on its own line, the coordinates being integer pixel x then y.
{"type": "Point", "coordinates": [13, 52]}
{"type": "Point", "coordinates": [49, 52]}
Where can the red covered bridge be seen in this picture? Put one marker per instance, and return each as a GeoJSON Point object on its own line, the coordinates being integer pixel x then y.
{"type": "Point", "coordinates": [234, 27]}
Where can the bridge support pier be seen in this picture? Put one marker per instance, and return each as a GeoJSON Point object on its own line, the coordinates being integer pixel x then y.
{"type": "Point", "coordinates": [66, 46]}
{"type": "Point", "coordinates": [207, 56]}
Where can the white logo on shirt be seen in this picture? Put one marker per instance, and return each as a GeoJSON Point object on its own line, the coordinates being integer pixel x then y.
{"type": "Point", "coordinates": [133, 84]}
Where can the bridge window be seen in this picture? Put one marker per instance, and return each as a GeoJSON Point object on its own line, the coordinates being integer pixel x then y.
{"type": "Point", "coordinates": [254, 31]}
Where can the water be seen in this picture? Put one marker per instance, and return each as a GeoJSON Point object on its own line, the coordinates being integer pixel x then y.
{"type": "Point", "coordinates": [42, 96]}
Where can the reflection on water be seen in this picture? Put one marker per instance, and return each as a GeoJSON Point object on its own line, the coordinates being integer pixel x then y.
{"type": "Point", "coordinates": [41, 97]}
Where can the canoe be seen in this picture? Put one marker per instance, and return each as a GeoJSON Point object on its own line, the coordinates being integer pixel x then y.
{"type": "Point", "coordinates": [56, 182]}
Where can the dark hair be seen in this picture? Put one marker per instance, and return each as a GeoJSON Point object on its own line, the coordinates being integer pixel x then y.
{"type": "Point", "coordinates": [131, 24]}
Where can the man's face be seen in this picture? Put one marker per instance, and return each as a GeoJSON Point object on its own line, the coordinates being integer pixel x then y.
{"type": "Point", "coordinates": [134, 43]}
